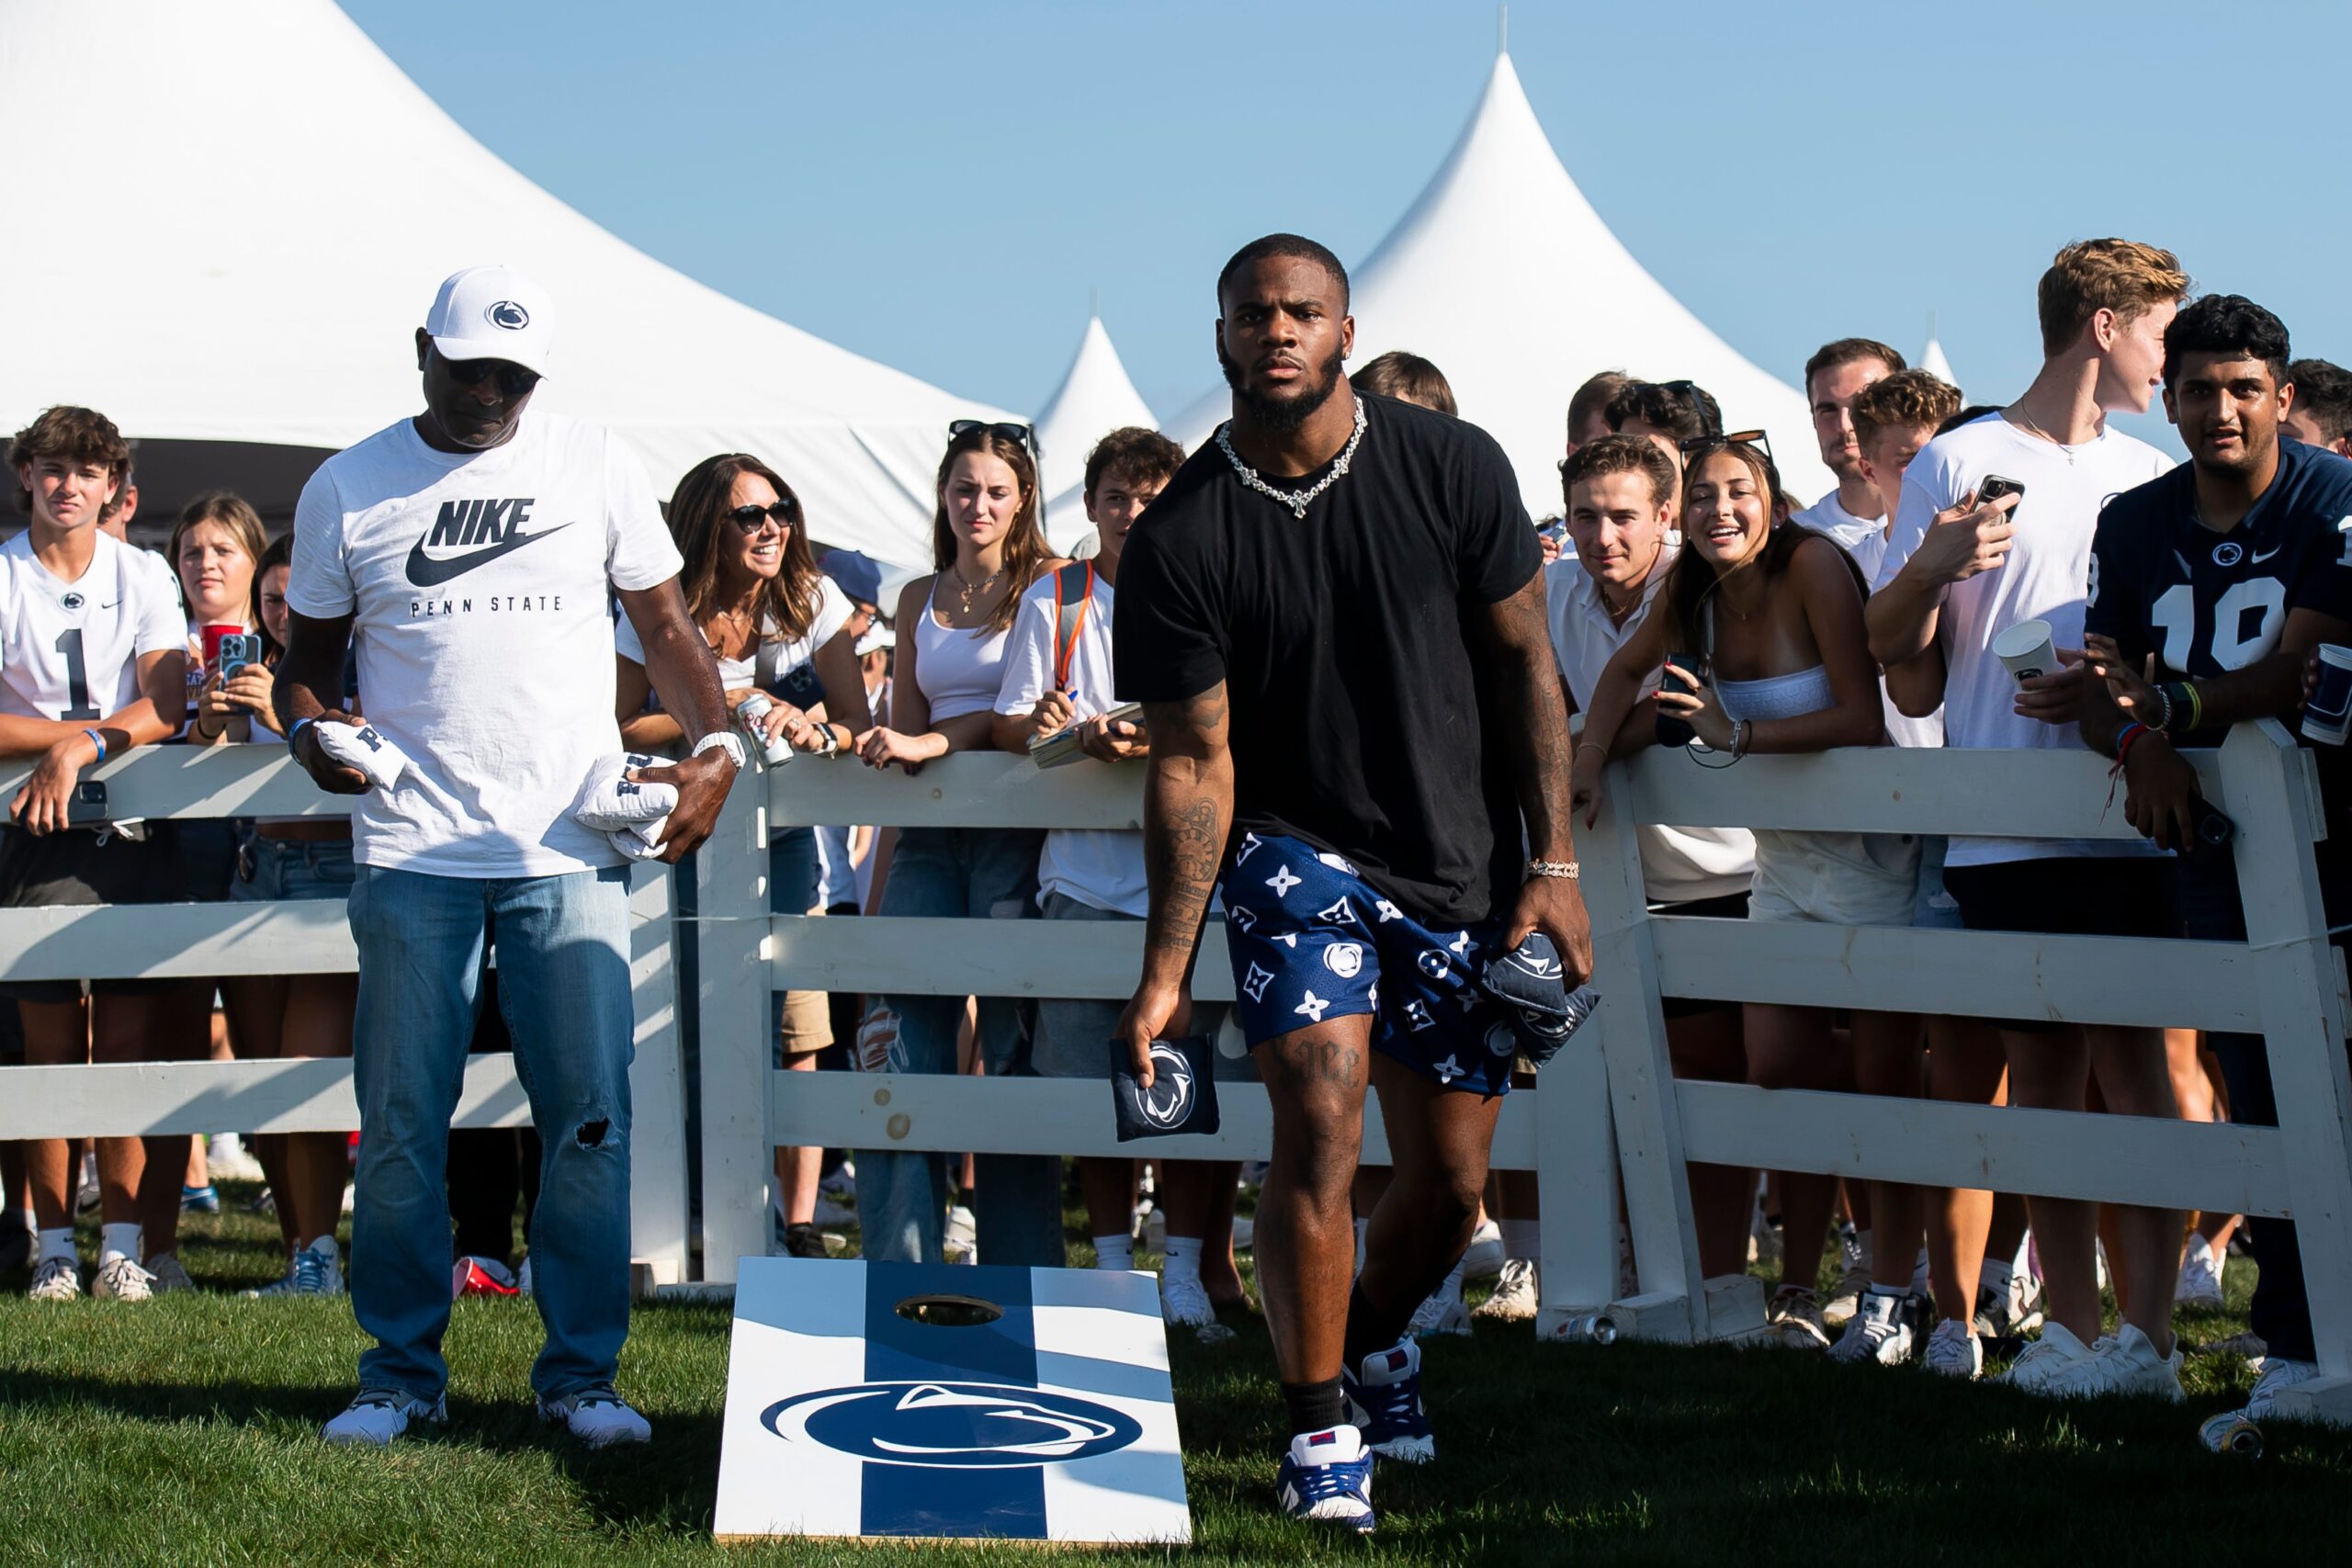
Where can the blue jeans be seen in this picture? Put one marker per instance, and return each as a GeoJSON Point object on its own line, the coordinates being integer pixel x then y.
{"type": "Point", "coordinates": [903, 1197]}
{"type": "Point", "coordinates": [564, 990]}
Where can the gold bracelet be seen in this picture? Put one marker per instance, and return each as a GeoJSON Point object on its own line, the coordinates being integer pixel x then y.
{"type": "Point", "coordinates": [1595, 745]}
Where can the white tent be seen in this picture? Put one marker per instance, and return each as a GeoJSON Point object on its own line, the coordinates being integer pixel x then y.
{"type": "Point", "coordinates": [1932, 360]}
{"type": "Point", "coordinates": [298, 199]}
{"type": "Point", "coordinates": [1504, 275]}
{"type": "Point", "coordinates": [1094, 399]}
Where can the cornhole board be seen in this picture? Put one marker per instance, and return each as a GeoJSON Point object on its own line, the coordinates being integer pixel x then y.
{"type": "Point", "coordinates": [1052, 1421]}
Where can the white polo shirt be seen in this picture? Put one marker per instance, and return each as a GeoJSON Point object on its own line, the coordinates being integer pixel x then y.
{"type": "Point", "coordinates": [1679, 865]}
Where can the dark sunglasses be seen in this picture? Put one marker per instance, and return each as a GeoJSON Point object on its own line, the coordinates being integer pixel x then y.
{"type": "Point", "coordinates": [1699, 445]}
{"type": "Point", "coordinates": [513, 379]}
{"type": "Point", "coordinates": [1025, 434]}
{"type": "Point", "coordinates": [750, 518]}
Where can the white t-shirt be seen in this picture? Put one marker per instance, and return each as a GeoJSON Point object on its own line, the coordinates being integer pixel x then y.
{"type": "Point", "coordinates": [781, 667]}
{"type": "Point", "coordinates": [1864, 538]}
{"type": "Point", "coordinates": [1679, 865]}
{"type": "Point", "coordinates": [71, 651]}
{"type": "Point", "coordinates": [480, 585]}
{"type": "Point", "coordinates": [1102, 869]}
{"type": "Point", "coordinates": [2044, 578]}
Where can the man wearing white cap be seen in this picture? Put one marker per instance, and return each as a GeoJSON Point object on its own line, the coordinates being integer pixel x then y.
{"type": "Point", "coordinates": [472, 550]}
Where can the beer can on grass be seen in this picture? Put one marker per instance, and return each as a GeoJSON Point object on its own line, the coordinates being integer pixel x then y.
{"type": "Point", "coordinates": [2232, 1433]}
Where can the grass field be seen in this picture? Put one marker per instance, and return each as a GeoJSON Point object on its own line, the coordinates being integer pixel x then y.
{"type": "Point", "coordinates": [183, 1431]}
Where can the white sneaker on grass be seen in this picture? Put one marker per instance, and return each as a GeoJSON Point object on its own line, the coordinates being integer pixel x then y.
{"type": "Point", "coordinates": [1442, 1313]}
{"type": "Point", "coordinates": [1795, 1311]}
{"type": "Point", "coordinates": [2277, 1375]}
{"type": "Point", "coordinates": [1876, 1334]}
{"type": "Point", "coordinates": [170, 1276]}
{"type": "Point", "coordinates": [597, 1416]}
{"type": "Point", "coordinates": [120, 1280]}
{"type": "Point", "coordinates": [1327, 1477]}
{"type": "Point", "coordinates": [1516, 1298]}
{"type": "Point", "coordinates": [1484, 1258]}
{"type": "Point", "coordinates": [2200, 1286]}
{"type": "Point", "coordinates": [1184, 1300]}
{"type": "Point", "coordinates": [1846, 1297]}
{"type": "Point", "coordinates": [226, 1157]}
{"type": "Point", "coordinates": [317, 1270]}
{"type": "Point", "coordinates": [380, 1415]}
{"type": "Point", "coordinates": [56, 1279]}
{"type": "Point", "coordinates": [1954, 1351]}
{"type": "Point", "coordinates": [2044, 1359]}
{"type": "Point", "coordinates": [2121, 1363]}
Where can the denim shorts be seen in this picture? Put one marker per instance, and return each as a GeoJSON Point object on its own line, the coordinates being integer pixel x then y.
{"type": "Point", "coordinates": [273, 869]}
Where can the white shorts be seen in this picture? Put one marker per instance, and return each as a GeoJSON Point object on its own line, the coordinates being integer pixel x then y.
{"type": "Point", "coordinates": [1838, 879]}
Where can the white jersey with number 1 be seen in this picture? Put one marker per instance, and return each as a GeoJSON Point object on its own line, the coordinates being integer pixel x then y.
{"type": "Point", "coordinates": [71, 651]}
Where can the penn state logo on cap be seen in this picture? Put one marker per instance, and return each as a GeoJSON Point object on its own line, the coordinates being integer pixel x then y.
{"type": "Point", "coordinates": [952, 1425]}
{"type": "Point", "coordinates": [507, 314]}
{"type": "Point", "coordinates": [493, 313]}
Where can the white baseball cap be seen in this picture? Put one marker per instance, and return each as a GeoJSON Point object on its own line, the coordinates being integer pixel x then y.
{"type": "Point", "coordinates": [493, 313]}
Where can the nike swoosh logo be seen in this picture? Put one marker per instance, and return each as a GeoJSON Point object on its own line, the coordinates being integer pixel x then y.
{"type": "Point", "coordinates": [427, 572]}
{"type": "Point", "coordinates": [2272, 551]}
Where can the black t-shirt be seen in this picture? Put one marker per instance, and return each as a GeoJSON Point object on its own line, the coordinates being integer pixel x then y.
{"type": "Point", "coordinates": [1340, 637]}
{"type": "Point", "coordinates": [2205, 603]}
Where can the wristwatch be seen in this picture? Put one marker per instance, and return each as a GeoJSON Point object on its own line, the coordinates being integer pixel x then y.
{"type": "Point", "coordinates": [728, 741]}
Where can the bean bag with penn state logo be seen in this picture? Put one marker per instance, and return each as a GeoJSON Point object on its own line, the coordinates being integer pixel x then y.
{"type": "Point", "coordinates": [1183, 1096]}
{"type": "Point", "coordinates": [1533, 988]}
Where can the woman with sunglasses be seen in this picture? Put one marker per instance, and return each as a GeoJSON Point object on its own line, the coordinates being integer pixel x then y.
{"type": "Point", "coordinates": [780, 629]}
{"type": "Point", "coordinates": [1771, 614]}
{"type": "Point", "coordinates": [988, 547]}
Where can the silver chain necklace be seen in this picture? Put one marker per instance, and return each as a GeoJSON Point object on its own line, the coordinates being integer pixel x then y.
{"type": "Point", "coordinates": [1296, 499]}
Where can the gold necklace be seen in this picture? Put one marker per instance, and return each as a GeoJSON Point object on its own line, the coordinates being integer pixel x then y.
{"type": "Point", "coordinates": [965, 590]}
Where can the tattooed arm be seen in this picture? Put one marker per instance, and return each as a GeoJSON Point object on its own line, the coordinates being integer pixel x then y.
{"type": "Point", "coordinates": [1187, 814]}
{"type": "Point", "coordinates": [1512, 643]}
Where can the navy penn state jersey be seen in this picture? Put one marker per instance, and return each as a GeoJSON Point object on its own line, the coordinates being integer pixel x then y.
{"type": "Point", "coordinates": [2205, 603]}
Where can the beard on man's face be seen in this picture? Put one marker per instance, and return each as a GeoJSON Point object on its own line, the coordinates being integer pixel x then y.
{"type": "Point", "coordinates": [1283, 413]}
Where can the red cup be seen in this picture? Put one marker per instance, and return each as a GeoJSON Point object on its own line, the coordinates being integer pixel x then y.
{"type": "Point", "coordinates": [211, 637]}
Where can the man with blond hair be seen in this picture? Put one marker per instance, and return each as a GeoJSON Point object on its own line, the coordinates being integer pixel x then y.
{"type": "Point", "coordinates": [1958, 570]}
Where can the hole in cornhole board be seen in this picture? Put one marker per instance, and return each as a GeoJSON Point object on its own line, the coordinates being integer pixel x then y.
{"type": "Point", "coordinates": [948, 1312]}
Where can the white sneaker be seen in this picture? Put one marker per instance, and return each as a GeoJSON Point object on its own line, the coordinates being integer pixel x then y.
{"type": "Point", "coordinates": [962, 1236]}
{"type": "Point", "coordinates": [1485, 1259]}
{"type": "Point", "coordinates": [2278, 1374]}
{"type": "Point", "coordinates": [1845, 1299]}
{"type": "Point", "coordinates": [1516, 1298]}
{"type": "Point", "coordinates": [2199, 1287]}
{"type": "Point", "coordinates": [2123, 1363]}
{"type": "Point", "coordinates": [169, 1276]}
{"type": "Point", "coordinates": [1327, 1477]}
{"type": "Point", "coordinates": [2045, 1358]}
{"type": "Point", "coordinates": [597, 1416]}
{"type": "Point", "coordinates": [2009, 1314]}
{"type": "Point", "coordinates": [380, 1415]}
{"type": "Point", "coordinates": [1442, 1313]}
{"type": "Point", "coordinates": [1954, 1351]}
{"type": "Point", "coordinates": [1877, 1333]}
{"type": "Point", "coordinates": [317, 1270]}
{"type": "Point", "coordinates": [1796, 1312]}
{"type": "Point", "coordinates": [1184, 1300]}
{"type": "Point", "coordinates": [119, 1278]}
{"type": "Point", "coordinates": [226, 1157]}
{"type": "Point", "coordinates": [56, 1279]}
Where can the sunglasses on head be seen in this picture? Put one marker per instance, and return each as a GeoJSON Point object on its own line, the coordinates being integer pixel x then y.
{"type": "Point", "coordinates": [513, 379]}
{"type": "Point", "coordinates": [1700, 445]}
{"type": "Point", "coordinates": [751, 519]}
{"type": "Point", "coordinates": [1025, 434]}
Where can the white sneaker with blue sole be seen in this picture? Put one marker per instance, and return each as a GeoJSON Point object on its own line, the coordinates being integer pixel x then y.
{"type": "Point", "coordinates": [1385, 1402]}
{"type": "Point", "coordinates": [1327, 1477]}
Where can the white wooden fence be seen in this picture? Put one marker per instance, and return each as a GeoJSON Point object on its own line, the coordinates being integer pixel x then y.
{"type": "Point", "coordinates": [1609, 1125]}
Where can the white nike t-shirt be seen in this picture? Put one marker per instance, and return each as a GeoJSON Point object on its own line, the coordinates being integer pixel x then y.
{"type": "Point", "coordinates": [480, 585]}
{"type": "Point", "coordinates": [782, 667]}
{"type": "Point", "coordinates": [1099, 868]}
{"type": "Point", "coordinates": [2044, 578]}
{"type": "Point", "coordinates": [71, 651]}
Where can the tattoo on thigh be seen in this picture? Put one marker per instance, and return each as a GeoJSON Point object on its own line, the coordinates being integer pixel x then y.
{"type": "Point", "coordinates": [1307, 1059]}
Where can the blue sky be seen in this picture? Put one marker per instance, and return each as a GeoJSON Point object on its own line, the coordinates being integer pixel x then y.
{"type": "Point", "coordinates": [940, 186]}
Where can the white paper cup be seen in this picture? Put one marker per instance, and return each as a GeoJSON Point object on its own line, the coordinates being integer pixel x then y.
{"type": "Point", "coordinates": [2025, 647]}
{"type": "Point", "coordinates": [2328, 717]}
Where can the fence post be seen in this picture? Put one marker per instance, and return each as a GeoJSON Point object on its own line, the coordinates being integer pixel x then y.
{"type": "Point", "coordinates": [2271, 791]}
{"type": "Point", "coordinates": [736, 1024]}
{"type": "Point", "coordinates": [1672, 1303]}
{"type": "Point", "coordinates": [658, 1218]}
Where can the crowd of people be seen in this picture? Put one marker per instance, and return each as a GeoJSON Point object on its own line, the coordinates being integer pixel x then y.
{"type": "Point", "coordinates": [1305, 637]}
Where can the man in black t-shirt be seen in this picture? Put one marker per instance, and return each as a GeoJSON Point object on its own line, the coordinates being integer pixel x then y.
{"type": "Point", "coordinates": [1334, 619]}
{"type": "Point", "coordinates": [2209, 587]}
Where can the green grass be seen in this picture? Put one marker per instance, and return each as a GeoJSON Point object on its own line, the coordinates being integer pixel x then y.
{"type": "Point", "coordinates": [185, 1431]}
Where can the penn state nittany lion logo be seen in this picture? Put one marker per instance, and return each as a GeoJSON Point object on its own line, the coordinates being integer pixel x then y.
{"type": "Point", "coordinates": [952, 1425]}
{"type": "Point", "coordinates": [509, 315]}
{"type": "Point", "coordinates": [1170, 1098]}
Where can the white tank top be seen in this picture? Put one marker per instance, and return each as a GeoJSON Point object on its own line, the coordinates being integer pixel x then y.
{"type": "Point", "coordinates": [960, 672]}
